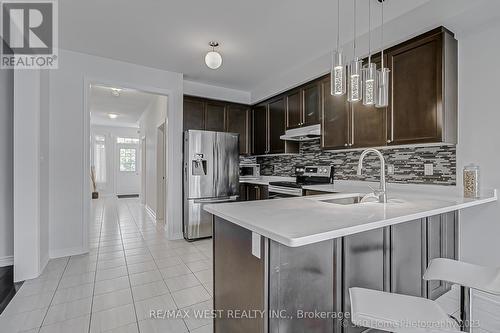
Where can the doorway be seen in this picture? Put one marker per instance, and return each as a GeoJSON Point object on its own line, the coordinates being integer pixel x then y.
{"type": "Point", "coordinates": [161, 173]}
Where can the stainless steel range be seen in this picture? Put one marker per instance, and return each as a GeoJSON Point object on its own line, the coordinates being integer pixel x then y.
{"type": "Point", "coordinates": [305, 175]}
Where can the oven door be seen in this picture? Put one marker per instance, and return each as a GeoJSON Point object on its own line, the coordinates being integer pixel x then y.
{"type": "Point", "coordinates": [278, 192]}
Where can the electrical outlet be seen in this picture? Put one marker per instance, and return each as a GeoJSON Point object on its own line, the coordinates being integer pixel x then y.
{"type": "Point", "coordinates": [390, 169]}
{"type": "Point", "coordinates": [428, 169]}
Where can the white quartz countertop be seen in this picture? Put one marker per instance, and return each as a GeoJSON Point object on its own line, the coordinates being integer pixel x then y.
{"type": "Point", "coordinates": [264, 180]}
{"type": "Point", "coordinates": [305, 220]}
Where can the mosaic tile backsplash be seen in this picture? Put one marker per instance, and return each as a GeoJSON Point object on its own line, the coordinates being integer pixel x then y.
{"type": "Point", "coordinates": [408, 163]}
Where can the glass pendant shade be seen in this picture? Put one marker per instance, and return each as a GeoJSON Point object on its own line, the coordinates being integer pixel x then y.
{"type": "Point", "coordinates": [382, 99]}
{"type": "Point", "coordinates": [355, 84]}
{"type": "Point", "coordinates": [370, 84]}
{"type": "Point", "coordinates": [338, 74]}
{"type": "Point", "coordinates": [213, 60]}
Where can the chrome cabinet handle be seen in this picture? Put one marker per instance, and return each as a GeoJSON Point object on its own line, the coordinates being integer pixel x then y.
{"type": "Point", "coordinates": [389, 141]}
{"type": "Point", "coordinates": [346, 144]}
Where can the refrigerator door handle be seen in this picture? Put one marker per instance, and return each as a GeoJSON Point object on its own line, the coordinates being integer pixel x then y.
{"type": "Point", "coordinates": [228, 199]}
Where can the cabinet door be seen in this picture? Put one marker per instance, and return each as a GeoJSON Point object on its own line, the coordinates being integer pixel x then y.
{"type": "Point", "coordinates": [293, 109]}
{"type": "Point", "coordinates": [368, 124]}
{"type": "Point", "coordinates": [408, 258]}
{"type": "Point", "coordinates": [415, 111]}
{"type": "Point", "coordinates": [441, 243]}
{"type": "Point", "coordinates": [194, 114]}
{"type": "Point", "coordinates": [334, 117]}
{"type": "Point", "coordinates": [276, 126]}
{"type": "Point", "coordinates": [260, 130]}
{"type": "Point", "coordinates": [243, 192]}
{"type": "Point", "coordinates": [238, 121]}
{"type": "Point", "coordinates": [365, 266]}
{"type": "Point", "coordinates": [215, 117]}
{"type": "Point", "coordinates": [311, 104]}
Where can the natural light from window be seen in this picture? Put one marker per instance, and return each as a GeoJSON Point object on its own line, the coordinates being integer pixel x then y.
{"type": "Point", "coordinates": [128, 159]}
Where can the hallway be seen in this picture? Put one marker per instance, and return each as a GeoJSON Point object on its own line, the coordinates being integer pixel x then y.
{"type": "Point", "coordinates": [131, 269]}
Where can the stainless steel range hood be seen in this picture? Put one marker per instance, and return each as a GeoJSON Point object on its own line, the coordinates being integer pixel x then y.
{"type": "Point", "coordinates": [302, 133]}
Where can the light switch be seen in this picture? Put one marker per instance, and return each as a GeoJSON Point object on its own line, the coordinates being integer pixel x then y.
{"type": "Point", "coordinates": [428, 169]}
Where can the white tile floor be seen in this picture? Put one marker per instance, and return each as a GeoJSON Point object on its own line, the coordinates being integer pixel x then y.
{"type": "Point", "coordinates": [131, 269]}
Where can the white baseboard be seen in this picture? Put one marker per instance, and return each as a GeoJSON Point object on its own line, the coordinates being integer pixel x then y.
{"type": "Point", "coordinates": [60, 253]}
{"type": "Point", "coordinates": [6, 261]}
{"type": "Point", "coordinates": [150, 211]}
{"type": "Point", "coordinates": [177, 236]}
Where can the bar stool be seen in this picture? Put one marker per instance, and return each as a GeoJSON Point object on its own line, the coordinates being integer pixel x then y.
{"type": "Point", "coordinates": [408, 314]}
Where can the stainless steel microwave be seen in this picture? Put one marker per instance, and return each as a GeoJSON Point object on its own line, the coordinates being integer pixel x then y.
{"type": "Point", "coordinates": [249, 171]}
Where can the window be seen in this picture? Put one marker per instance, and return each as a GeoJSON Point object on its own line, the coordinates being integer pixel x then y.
{"type": "Point", "coordinates": [127, 140]}
{"type": "Point", "coordinates": [128, 159]}
{"type": "Point", "coordinates": [100, 159]}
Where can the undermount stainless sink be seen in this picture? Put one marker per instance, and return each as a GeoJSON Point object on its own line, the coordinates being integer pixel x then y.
{"type": "Point", "coordinates": [358, 199]}
{"type": "Point", "coordinates": [344, 201]}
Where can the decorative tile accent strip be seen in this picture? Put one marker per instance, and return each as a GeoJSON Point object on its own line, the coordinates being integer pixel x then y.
{"type": "Point", "coordinates": [408, 163]}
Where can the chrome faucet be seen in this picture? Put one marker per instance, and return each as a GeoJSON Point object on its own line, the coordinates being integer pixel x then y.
{"type": "Point", "coordinates": [381, 193]}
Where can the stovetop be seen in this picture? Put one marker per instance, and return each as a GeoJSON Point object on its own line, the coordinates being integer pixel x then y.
{"type": "Point", "coordinates": [308, 175]}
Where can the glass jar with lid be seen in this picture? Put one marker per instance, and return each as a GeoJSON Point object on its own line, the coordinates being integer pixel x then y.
{"type": "Point", "coordinates": [471, 181]}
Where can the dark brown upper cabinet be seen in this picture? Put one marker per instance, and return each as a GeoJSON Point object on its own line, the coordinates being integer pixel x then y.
{"type": "Point", "coordinates": [269, 122]}
{"type": "Point", "coordinates": [423, 98]}
{"type": "Point", "coordinates": [238, 120]}
{"type": "Point", "coordinates": [276, 126]}
{"type": "Point", "coordinates": [335, 111]}
{"type": "Point", "coordinates": [367, 124]}
{"type": "Point", "coordinates": [293, 109]}
{"type": "Point", "coordinates": [194, 114]}
{"type": "Point", "coordinates": [260, 127]}
{"type": "Point", "coordinates": [311, 104]}
{"type": "Point", "coordinates": [212, 115]}
{"type": "Point", "coordinates": [215, 116]}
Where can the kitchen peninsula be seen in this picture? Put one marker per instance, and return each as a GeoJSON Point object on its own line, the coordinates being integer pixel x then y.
{"type": "Point", "coordinates": [286, 256]}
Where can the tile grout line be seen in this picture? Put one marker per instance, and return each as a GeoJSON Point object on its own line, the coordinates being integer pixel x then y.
{"type": "Point", "coordinates": [52, 298]}
{"type": "Point", "coordinates": [126, 263]}
{"type": "Point", "coordinates": [97, 260]}
{"type": "Point", "coordinates": [149, 250]}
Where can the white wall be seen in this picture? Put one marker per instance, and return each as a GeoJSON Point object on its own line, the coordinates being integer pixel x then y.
{"type": "Point", "coordinates": [111, 133]}
{"type": "Point", "coordinates": [209, 91]}
{"type": "Point", "coordinates": [150, 120]}
{"type": "Point", "coordinates": [30, 223]}
{"type": "Point", "coordinates": [6, 164]}
{"type": "Point", "coordinates": [69, 181]}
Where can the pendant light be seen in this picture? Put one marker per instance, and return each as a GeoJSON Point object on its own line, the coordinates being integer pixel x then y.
{"type": "Point", "coordinates": [370, 72]}
{"type": "Point", "coordinates": [338, 70]}
{"type": "Point", "coordinates": [355, 85]}
{"type": "Point", "coordinates": [213, 59]}
{"type": "Point", "coordinates": [382, 100]}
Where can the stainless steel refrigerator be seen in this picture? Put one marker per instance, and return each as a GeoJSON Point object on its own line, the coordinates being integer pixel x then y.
{"type": "Point", "coordinates": [211, 175]}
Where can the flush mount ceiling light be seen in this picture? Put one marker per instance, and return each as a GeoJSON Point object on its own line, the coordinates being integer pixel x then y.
{"type": "Point", "coordinates": [112, 115]}
{"type": "Point", "coordinates": [115, 92]}
{"type": "Point", "coordinates": [213, 59]}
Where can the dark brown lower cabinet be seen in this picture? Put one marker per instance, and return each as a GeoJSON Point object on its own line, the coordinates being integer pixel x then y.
{"type": "Point", "coordinates": [318, 276]}
{"type": "Point", "coordinates": [256, 192]}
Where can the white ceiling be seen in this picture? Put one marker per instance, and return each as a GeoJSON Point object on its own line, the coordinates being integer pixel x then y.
{"type": "Point", "coordinates": [129, 105]}
{"type": "Point", "coordinates": [259, 38]}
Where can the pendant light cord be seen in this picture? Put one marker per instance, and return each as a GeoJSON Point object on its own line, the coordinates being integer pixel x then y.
{"type": "Point", "coordinates": [382, 36]}
{"type": "Point", "coordinates": [354, 42]}
{"type": "Point", "coordinates": [338, 25]}
{"type": "Point", "coordinates": [369, 32]}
